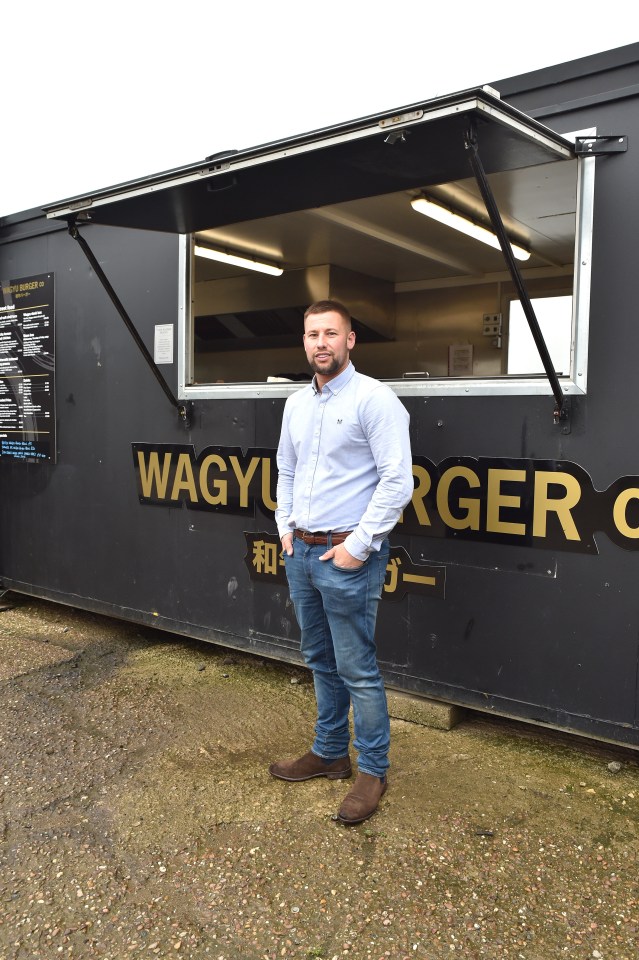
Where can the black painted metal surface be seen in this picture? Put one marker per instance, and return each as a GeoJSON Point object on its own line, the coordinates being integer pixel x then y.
{"type": "Point", "coordinates": [545, 635]}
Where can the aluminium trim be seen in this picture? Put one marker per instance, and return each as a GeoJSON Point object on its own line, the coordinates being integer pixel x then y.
{"type": "Point", "coordinates": [431, 387]}
{"type": "Point", "coordinates": [583, 270]}
{"type": "Point", "coordinates": [500, 117]}
{"type": "Point", "coordinates": [185, 285]}
{"type": "Point", "coordinates": [582, 263]}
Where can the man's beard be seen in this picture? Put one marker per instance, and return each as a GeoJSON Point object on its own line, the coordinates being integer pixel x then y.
{"type": "Point", "coordinates": [331, 367]}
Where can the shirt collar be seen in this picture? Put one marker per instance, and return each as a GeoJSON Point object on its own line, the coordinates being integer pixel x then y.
{"type": "Point", "coordinates": [337, 383]}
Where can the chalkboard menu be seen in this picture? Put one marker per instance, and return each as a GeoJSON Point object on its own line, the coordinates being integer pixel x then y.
{"type": "Point", "coordinates": [27, 369]}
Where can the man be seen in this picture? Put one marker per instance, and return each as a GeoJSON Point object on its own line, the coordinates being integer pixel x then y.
{"type": "Point", "coordinates": [345, 475]}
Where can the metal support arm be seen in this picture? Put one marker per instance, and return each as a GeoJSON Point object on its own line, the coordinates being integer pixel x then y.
{"type": "Point", "coordinates": [560, 413]}
{"type": "Point", "coordinates": [183, 408]}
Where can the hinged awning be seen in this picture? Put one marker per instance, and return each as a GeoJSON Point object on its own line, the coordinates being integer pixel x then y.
{"type": "Point", "coordinates": [343, 162]}
{"type": "Point", "coordinates": [424, 144]}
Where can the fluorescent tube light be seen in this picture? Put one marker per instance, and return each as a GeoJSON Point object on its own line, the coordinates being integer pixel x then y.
{"type": "Point", "coordinates": [238, 261]}
{"type": "Point", "coordinates": [463, 224]}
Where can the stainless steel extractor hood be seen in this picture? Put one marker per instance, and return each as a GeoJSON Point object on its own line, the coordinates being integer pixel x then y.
{"type": "Point", "coordinates": [248, 311]}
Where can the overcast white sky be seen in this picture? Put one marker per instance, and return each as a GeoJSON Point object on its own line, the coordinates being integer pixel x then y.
{"type": "Point", "coordinates": [96, 94]}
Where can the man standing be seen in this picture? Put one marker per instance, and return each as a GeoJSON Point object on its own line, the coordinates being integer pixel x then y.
{"type": "Point", "coordinates": [345, 475]}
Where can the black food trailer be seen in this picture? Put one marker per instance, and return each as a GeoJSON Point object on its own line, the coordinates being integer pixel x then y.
{"type": "Point", "coordinates": [485, 243]}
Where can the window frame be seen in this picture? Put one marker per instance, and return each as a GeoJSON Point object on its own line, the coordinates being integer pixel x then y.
{"type": "Point", "coordinates": [574, 384]}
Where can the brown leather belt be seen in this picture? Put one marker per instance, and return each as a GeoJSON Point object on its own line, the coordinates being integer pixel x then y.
{"type": "Point", "coordinates": [320, 539]}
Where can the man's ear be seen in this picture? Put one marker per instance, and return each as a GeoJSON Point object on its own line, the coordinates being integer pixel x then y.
{"type": "Point", "coordinates": [350, 340]}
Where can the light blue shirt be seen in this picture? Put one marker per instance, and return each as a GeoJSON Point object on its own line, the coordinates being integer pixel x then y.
{"type": "Point", "coordinates": [344, 461]}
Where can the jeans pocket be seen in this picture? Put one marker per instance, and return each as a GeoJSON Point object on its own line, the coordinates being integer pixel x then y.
{"type": "Point", "coordinates": [348, 569]}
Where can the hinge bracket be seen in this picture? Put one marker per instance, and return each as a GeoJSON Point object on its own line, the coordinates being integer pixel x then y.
{"type": "Point", "coordinates": [562, 416]}
{"type": "Point", "coordinates": [600, 145]}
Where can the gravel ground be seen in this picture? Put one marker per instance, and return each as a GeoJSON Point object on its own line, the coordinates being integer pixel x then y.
{"type": "Point", "coordinates": [139, 820]}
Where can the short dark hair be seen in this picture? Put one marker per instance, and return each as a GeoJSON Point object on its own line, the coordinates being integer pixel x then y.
{"type": "Point", "coordinates": [326, 306]}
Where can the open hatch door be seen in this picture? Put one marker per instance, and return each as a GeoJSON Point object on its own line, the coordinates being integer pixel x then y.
{"type": "Point", "coordinates": [422, 145]}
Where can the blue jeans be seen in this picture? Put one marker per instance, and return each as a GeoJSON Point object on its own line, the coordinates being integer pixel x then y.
{"type": "Point", "coordinates": [336, 610]}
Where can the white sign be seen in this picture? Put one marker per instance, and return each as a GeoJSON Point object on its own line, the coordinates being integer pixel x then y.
{"type": "Point", "coordinates": [460, 360]}
{"type": "Point", "coordinates": [163, 346]}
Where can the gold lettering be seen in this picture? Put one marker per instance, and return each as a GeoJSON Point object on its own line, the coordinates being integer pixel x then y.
{"type": "Point", "coordinates": [266, 484]}
{"type": "Point", "coordinates": [265, 556]}
{"type": "Point", "coordinates": [619, 513]}
{"type": "Point", "coordinates": [424, 482]}
{"type": "Point", "coordinates": [543, 505]}
{"type": "Point", "coordinates": [184, 479]}
{"type": "Point", "coordinates": [220, 486]}
{"type": "Point", "coordinates": [497, 500]}
{"type": "Point", "coordinates": [471, 518]}
{"type": "Point", "coordinates": [419, 578]}
{"type": "Point", "coordinates": [151, 476]}
{"type": "Point", "coordinates": [244, 480]}
{"type": "Point", "coordinates": [392, 568]}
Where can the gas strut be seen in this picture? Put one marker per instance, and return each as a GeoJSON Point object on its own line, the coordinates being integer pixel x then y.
{"type": "Point", "coordinates": [184, 408]}
{"type": "Point", "coordinates": [560, 413]}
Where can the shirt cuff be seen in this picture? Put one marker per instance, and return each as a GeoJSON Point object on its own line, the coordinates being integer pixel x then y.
{"type": "Point", "coordinates": [356, 548]}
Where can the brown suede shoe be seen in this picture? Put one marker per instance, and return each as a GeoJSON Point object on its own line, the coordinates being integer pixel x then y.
{"type": "Point", "coordinates": [309, 766]}
{"type": "Point", "coordinates": [362, 799]}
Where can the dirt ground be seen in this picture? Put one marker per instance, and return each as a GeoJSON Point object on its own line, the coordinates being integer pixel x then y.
{"type": "Point", "coordinates": [139, 820]}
